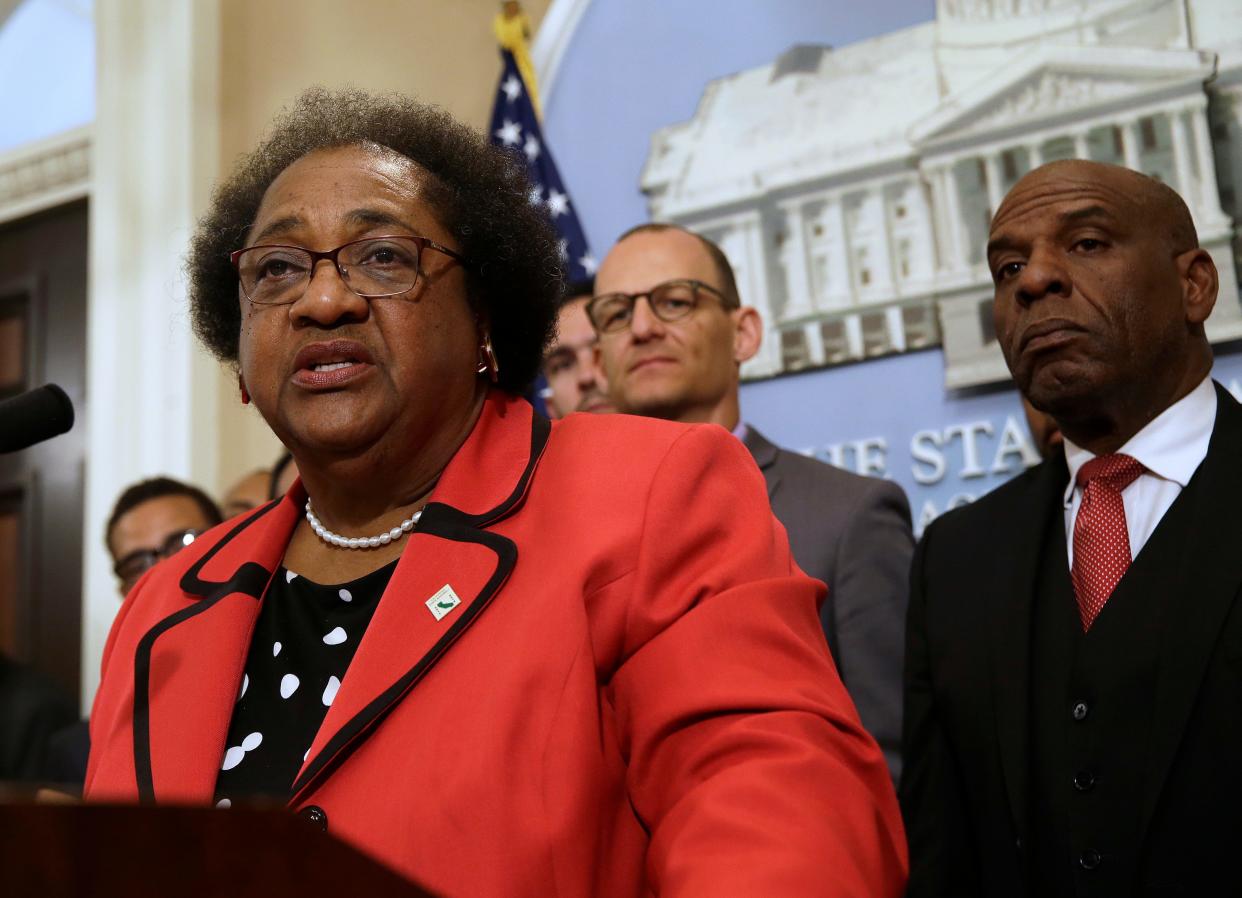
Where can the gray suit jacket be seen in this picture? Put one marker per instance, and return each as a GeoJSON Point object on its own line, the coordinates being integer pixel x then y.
{"type": "Point", "coordinates": [853, 533]}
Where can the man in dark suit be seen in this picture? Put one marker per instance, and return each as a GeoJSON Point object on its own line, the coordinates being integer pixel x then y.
{"type": "Point", "coordinates": [1074, 656]}
{"type": "Point", "coordinates": [676, 355]}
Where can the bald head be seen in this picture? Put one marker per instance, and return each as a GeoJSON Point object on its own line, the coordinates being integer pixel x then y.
{"type": "Point", "coordinates": [685, 369]}
{"type": "Point", "coordinates": [1155, 202]}
{"type": "Point", "coordinates": [724, 271]}
{"type": "Point", "coordinates": [1101, 297]}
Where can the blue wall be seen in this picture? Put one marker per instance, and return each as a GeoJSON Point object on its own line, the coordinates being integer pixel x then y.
{"type": "Point", "coordinates": [635, 66]}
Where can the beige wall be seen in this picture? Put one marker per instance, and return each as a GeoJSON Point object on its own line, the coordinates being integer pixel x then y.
{"type": "Point", "coordinates": [270, 50]}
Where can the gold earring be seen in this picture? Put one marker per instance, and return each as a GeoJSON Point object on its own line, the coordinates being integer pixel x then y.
{"type": "Point", "coordinates": [488, 364]}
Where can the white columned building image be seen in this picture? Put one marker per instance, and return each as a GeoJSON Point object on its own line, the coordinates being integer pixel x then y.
{"type": "Point", "coordinates": [852, 188]}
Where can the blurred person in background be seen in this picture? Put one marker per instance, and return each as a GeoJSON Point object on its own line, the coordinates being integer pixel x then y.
{"type": "Point", "coordinates": [673, 335]}
{"type": "Point", "coordinates": [282, 475]}
{"type": "Point", "coordinates": [151, 520]}
{"type": "Point", "coordinates": [260, 486]}
{"type": "Point", "coordinates": [249, 492]}
{"type": "Point", "coordinates": [33, 710]}
{"type": "Point", "coordinates": [574, 658]}
{"type": "Point", "coordinates": [575, 381]}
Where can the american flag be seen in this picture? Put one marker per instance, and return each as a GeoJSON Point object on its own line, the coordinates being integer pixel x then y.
{"type": "Point", "coordinates": [516, 127]}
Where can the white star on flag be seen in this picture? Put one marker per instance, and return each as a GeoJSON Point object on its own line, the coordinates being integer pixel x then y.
{"type": "Point", "coordinates": [514, 129]}
{"type": "Point", "coordinates": [512, 88]}
{"type": "Point", "coordinates": [510, 133]}
{"type": "Point", "coordinates": [558, 203]}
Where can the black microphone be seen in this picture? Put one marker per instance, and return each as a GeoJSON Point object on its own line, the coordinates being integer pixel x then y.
{"type": "Point", "coordinates": [33, 417]}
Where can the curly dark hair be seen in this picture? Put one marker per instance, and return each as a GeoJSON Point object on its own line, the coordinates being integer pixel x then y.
{"type": "Point", "coordinates": [478, 192]}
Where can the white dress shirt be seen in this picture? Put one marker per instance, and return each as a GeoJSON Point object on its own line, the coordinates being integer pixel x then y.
{"type": "Point", "coordinates": [1171, 448]}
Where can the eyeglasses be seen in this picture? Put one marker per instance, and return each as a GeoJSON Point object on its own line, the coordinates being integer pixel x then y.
{"type": "Point", "coordinates": [274, 275]}
{"type": "Point", "coordinates": [611, 313]}
{"type": "Point", "coordinates": [131, 568]}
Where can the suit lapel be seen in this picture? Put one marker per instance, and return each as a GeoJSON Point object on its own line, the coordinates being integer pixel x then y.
{"type": "Point", "coordinates": [486, 481]}
{"type": "Point", "coordinates": [188, 667]}
{"type": "Point", "coordinates": [1207, 586]}
{"type": "Point", "coordinates": [764, 453]}
{"type": "Point", "coordinates": [1011, 607]}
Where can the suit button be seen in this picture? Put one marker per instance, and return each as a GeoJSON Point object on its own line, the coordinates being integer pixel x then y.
{"type": "Point", "coordinates": [1084, 780]}
{"type": "Point", "coordinates": [315, 816]}
{"type": "Point", "coordinates": [1080, 711]}
{"type": "Point", "coordinates": [1089, 859]}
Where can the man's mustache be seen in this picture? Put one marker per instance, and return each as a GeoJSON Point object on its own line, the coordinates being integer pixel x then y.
{"type": "Point", "coordinates": [591, 397]}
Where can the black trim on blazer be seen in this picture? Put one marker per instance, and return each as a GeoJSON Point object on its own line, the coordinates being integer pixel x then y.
{"type": "Point", "coordinates": [447, 522]}
{"type": "Point", "coordinates": [190, 580]}
{"type": "Point", "coordinates": [250, 579]}
{"type": "Point", "coordinates": [540, 428]}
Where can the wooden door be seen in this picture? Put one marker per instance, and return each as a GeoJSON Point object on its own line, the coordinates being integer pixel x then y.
{"type": "Point", "coordinates": [42, 340]}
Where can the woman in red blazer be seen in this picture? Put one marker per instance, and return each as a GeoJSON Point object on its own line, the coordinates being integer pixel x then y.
{"type": "Point", "coordinates": [590, 668]}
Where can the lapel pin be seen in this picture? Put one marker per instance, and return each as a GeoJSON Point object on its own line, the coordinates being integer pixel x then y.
{"type": "Point", "coordinates": [444, 601]}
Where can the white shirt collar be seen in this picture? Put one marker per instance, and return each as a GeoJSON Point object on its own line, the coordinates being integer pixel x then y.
{"type": "Point", "coordinates": [1171, 446]}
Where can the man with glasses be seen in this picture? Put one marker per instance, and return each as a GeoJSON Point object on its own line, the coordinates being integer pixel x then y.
{"type": "Point", "coordinates": [154, 520]}
{"type": "Point", "coordinates": [673, 335]}
{"type": "Point", "coordinates": [575, 382]}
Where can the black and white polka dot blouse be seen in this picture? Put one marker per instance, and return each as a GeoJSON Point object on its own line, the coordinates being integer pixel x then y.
{"type": "Point", "coordinates": [303, 642]}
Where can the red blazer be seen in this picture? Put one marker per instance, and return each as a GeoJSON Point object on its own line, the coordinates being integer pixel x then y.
{"type": "Point", "coordinates": [633, 698]}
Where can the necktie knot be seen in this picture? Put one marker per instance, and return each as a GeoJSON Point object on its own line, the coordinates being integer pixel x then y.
{"type": "Point", "coordinates": [1113, 471]}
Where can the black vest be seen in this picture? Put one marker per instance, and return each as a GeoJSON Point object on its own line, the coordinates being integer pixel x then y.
{"type": "Point", "coordinates": [1091, 711]}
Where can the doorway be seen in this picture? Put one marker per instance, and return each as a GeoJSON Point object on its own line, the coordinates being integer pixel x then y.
{"type": "Point", "coordinates": [43, 340]}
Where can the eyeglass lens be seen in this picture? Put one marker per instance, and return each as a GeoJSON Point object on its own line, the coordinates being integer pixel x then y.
{"type": "Point", "coordinates": [668, 302]}
{"type": "Point", "coordinates": [133, 566]}
{"type": "Point", "coordinates": [385, 266]}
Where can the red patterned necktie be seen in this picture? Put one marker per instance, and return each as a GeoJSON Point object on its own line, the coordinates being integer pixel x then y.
{"type": "Point", "coordinates": [1101, 541]}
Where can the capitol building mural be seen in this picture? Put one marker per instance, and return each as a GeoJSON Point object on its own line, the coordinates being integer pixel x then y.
{"type": "Point", "coordinates": [852, 188]}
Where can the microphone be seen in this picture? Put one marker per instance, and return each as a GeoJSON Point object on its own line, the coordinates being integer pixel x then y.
{"type": "Point", "coordinates": [33, 417]}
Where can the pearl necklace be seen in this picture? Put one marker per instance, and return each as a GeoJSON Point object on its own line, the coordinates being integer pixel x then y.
{"type": "Point", "coordinates": [360, 542]}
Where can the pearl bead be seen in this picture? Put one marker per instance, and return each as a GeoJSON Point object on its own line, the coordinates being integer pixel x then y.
{"type": "Point", "coordinates": [360, 542]}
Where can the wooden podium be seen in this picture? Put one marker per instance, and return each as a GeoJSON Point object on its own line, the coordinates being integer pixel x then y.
{"type": "Point", "coordinates": [106, 851]}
